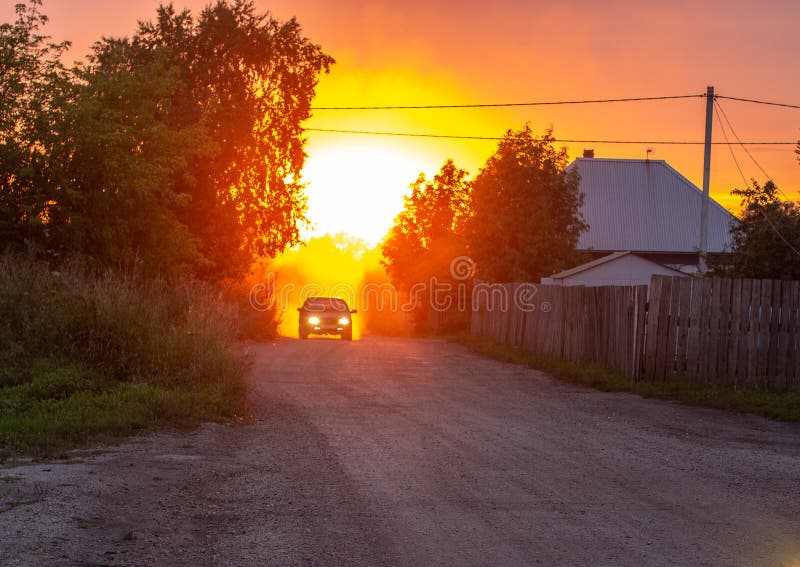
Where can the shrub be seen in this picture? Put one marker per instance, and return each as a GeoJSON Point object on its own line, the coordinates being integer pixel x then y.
{"type": "Point", "coordinates": [73, 339]}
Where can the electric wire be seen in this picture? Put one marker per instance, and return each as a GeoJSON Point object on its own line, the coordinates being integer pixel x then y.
{"type": "Point", "coordinates": [781, 104]}
{"type": "Point", "coordinates": [744, 180]}
{"type": "Point", "coordinates": [719, 109]}
{"type": "Point", "coordinates": [730, 147]}
{"type": "Point", "coordinates": [750, 155]}
{"type": "Point", "coordinates": [507, 104]}
{"type": "Point", "coordinates": [560, 140]}
{"type": "Point", "coordinates": [553, 103]}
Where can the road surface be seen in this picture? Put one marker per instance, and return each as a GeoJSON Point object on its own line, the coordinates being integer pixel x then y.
{"type": "Point", "coordinates": [416, 452]}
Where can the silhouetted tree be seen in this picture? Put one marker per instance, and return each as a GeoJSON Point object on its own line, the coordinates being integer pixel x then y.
{"type": "Point", "coordinates": [35, 89]}
{"type": "Point", "coordinates": [242, 83]}
{"type": "Point", "coordinates": [766, 239]}
{"type": "Point", "coordinates": [427, 235]}
{"type": "Point", "coordinates": [178, 148]}
{"type": "Point", "coordinates": [125, 164]}
{"type": "Point", "coordinates": [526, 217]}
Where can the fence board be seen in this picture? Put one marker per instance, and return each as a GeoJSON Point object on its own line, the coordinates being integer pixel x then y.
{"type": "Point", "coordinates": [744, 327]}
{"type": "Point", "coordinates": [774, 336]}
{"type": "Point", "coordinates": [619, 307]}
{"type": "Point", "coordinates": [763, 333]}
{"type": "Point", "coordinates": [651, 346]}
{"type": "Point", "coordinates": [672, 330]}
{"type": "Point", "coordinates": [693, 338]}
{"type": "Point", "coordinates": [794, 337]}
{"type": "Point", "coordinates": [734, 329]}
{"type": "Point", "coordinates": [712, 333]}
{"type": "Point", "coordinates": [600, 343]}
{"type": "Point", "coordinates": [704, 326]}
{"type": "Point", "coordinates": [724, 316]}
{"type": "Point", "coordinates": [752, 334]}
{"type": "Point", "coordinates": [781, 379]}
{"type": "Point", "coordinates": [684, 301]}
{"type": "Point", "coordinates": [639, 331]}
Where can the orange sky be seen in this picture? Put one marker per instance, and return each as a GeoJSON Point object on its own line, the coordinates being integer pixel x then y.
{"type": "Point", "coordinates": [449, 52]}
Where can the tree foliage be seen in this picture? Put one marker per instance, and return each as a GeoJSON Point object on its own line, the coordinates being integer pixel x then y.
{"type": "Point", "coordinates": [244, 84]}
{"type": "Point", "coordinates": [35, 89]}
{"type": "Point", "coordinates": [766, 239]}
{"type": "Point", "coordinates": [426, 237]}
{"type": "Point", "coordinates": [526, 217]}
{"type": "Point", "coordinates": [125, 164]}
{"type": "Point", "coordinates": [178, 148]}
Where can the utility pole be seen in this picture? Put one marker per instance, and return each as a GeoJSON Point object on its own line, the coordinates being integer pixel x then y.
{"type": "Point", "coordinates": [703, 267]}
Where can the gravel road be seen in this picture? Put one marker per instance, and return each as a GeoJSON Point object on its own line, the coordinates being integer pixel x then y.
{"type": "Point", "coordinates": [416, 452]}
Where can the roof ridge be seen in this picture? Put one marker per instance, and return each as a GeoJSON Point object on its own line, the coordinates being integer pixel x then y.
{"type": "Point", "coordinates": [622, 159]}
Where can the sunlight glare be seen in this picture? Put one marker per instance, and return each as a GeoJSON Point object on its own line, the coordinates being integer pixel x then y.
{"type": "Point", "coordinates": [357, 187]}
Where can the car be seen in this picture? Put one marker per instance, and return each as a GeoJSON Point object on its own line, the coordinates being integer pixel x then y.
{"type": "Point", "coordinates": [325, 316]}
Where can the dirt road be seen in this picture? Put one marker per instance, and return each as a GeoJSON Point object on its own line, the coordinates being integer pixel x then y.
{"type": "Point", "coordinates": [416, 452]}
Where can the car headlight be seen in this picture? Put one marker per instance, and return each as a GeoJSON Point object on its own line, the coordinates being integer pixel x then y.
{"type": "Point", "coordinates": [344, 321]}
{"type": "Point", "coordinates": [314, 320]}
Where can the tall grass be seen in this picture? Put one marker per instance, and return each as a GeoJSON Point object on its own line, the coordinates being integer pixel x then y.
{"type": "Point", "coordinates": [84, 353]}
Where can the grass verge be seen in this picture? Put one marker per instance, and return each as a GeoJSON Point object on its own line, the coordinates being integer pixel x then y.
{"type": "Point", "coordinates": [783, 407]}
{"type": "Point", "coordinates": [86, 355]}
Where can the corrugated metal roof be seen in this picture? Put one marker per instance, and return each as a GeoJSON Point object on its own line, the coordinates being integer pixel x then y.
{"type": "Point", "coordinates": [645, 206]}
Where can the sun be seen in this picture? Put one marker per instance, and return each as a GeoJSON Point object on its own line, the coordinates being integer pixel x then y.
{"type": "Point", "coordinates": [357, 187]}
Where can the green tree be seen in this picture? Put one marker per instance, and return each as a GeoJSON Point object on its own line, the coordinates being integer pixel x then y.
{"type": "Point", "coordinates": [125, 161]}
{"type": "Point", "coordinates": [526, 217]}
{"type": "Point", "coordinates": [766, 239]}
{"type": "Point", "coordinates": [248, 80]}
{"type": "Point", "coordinates": [178, 148]}
{"type": "Point", "coordinates": [427, 235]}
{"type": "Point", "coordinates": [34, 90]}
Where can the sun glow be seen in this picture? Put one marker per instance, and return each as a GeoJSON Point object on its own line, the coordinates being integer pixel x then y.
{"type": "Point", "coordinates": [357, 187]}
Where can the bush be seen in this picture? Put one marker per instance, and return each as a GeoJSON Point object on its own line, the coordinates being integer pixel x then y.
{"type": "Point", "coordinates": [73, 339]}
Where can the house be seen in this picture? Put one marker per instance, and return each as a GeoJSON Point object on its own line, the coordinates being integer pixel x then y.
{"type": "Point", "coordinates": [617, 268]}
{"type": "Point", "coordinates": [645, 206]}
{"type": "Point", "coordinates": [647, 210]}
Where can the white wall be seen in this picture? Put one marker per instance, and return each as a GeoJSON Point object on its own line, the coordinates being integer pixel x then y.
{"type": "Point", "coordinates": [627, 270]}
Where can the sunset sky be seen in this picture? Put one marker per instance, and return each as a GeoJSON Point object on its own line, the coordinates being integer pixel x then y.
{"type": "Point", "coordinates": [448, 52]}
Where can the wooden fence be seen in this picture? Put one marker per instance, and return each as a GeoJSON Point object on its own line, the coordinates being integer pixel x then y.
{"type": "Point", "coordinates": [742, 333]}
{"type": "Point", "coordinates": [602, 325]}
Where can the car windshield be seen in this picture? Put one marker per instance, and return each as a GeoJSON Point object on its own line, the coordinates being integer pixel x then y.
{"type": "Point", "coordinates": [325, 304]}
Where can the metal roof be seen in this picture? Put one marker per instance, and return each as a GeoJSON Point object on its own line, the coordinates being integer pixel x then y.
{"type": "Point", "coordinates": [645, 206]}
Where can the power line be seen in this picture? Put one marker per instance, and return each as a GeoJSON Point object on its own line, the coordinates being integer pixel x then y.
{"type": "Point", "coordinates": [730, 146]}
{"type": "Point", "coordinates": [560, 140]}
{"type": "Point", "coordinates": [750, 155]}
{"type": "Point", "coordinates": [730, 127]}
{"type": "Point", "coordinates": [553, 103]}
{"type": "Point", "coordinates": [784, 105]}
{"type": "Point", "coordinates": [508, 104]}
{"type": "Point", "coordinates": [744, 180]}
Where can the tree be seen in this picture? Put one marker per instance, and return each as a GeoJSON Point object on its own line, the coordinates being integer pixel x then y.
{"type": "Point", "coordinates": [34, 90]}
{"type": "Point", "coordinates": [766, 240]}
{"type": "Point", "coordinates": [427, 234]}
{"type": "Point", "coordinates": [249, 80]}
{"type": "Point", "coordinates": [526, 217]}
{"type": "Point", "coordinates": [178, 148]}
{"type": "Point", "coordinates": [124, 161]}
